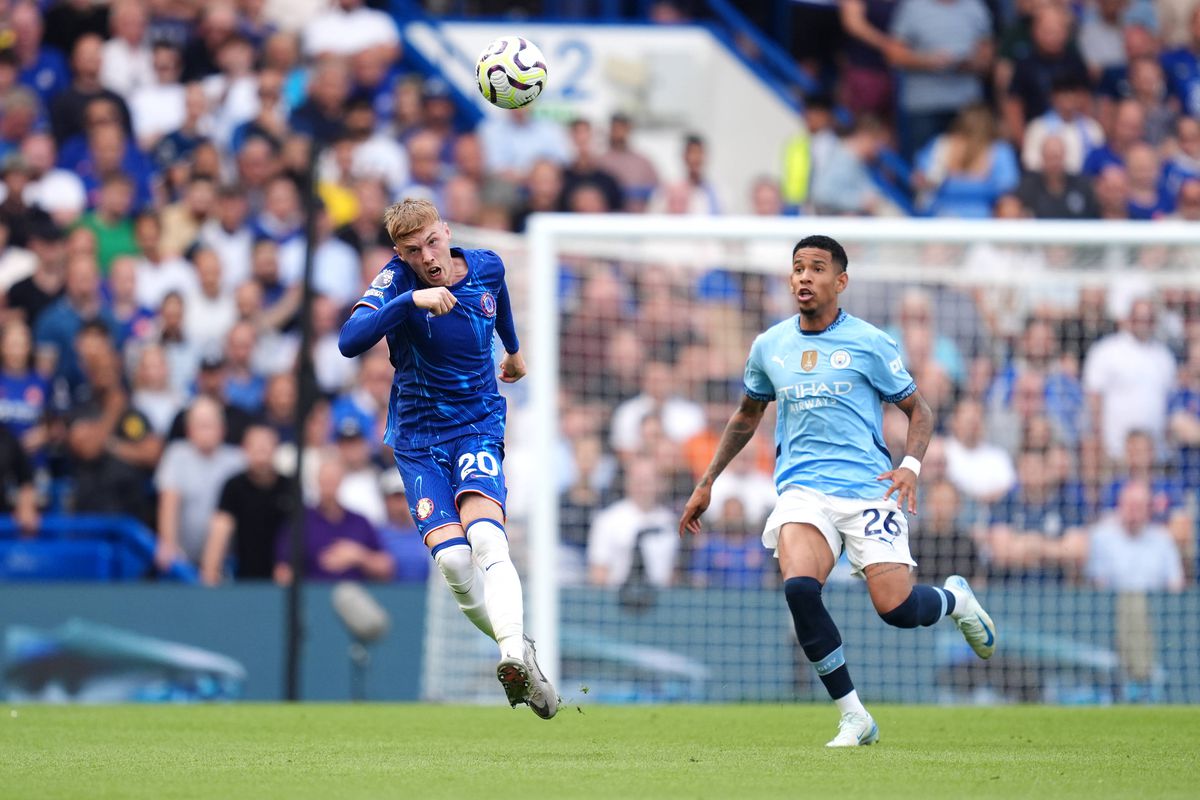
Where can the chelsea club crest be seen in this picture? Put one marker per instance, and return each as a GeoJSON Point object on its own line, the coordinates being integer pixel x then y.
{"type": "Point", "coordinates": [488, 304]}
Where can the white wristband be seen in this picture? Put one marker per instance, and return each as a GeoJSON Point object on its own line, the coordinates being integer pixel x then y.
{"type": "Point", "coordinates": [911, 463]}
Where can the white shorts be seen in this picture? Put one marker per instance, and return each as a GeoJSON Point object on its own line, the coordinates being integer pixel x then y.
{"type": "Point", "coordinates": [871, 531]}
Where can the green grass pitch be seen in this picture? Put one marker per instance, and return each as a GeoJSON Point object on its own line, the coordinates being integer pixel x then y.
{"type": "Point", "coordinates": [341, 752]}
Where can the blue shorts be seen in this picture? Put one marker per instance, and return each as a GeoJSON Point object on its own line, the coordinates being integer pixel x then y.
{"type": "Point", "coordinates": [436, 478]}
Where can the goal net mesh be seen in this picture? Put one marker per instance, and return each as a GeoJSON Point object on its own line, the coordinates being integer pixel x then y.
{"type": "Point", "coordinates": [1065, 377]}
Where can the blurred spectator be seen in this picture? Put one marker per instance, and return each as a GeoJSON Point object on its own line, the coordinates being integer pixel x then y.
{"type": "Point", "coordinates": [634, 539]}
{"type": "Point", "coordinates": [1129, 128]}
{"type": "Point", "coordinates": [367, 397]}
{"type": "Point", "coordinates": [350, 27]}
{"type": "Point", "coordinates": [282, 218]}
{"type": "Point", "coordinates": [103, 481]}
{"type": "Point", "coordinates": [1129, 552]}
{"type": "Point", "coordinates": [68, 109]}
{"type": "Point", "coordinates": [426, 178]}
{"type": "Point", "coordinates": [167, 330]}
{"type": "Point", "coordinates": [110, 221]}
{"type": "Point", "coordinates": [1066, 120]}
{"type": "Point", "coordinates": [334, 372]}
{"type": "Point", "coordinates": [152, 394]}
{"type": "Point", "coordinates": [159, 107]}
{"type": "Point", "coordinates": [69, 20]}
{"type": "Point", "coordinates": [209, 311]}
{"type": "Point", "coordinates": [731, 555]}
{"type": "Point", "coordinates": [34, 294]}
{"type": "Point", "coordinates": [339, 544]}
{"type": "Point", "coordinates": [867, 86]}
{"type": "Point", "coordinates": [513, 141]}
{"type": "Point", "coordinates": [210, 384]}
{"type": "Point", "coordinates": [134, 321]}
{"type": "Point", "coordinates": [1052, 192]}
{"type": "Point", "coordinates": [183, 219]}
{"type": "Point", "coordinates": [1128, 376]}
{"type": "Point", "coordinates": [279, 406]}
{"type": "Point", "coordinates": [81, 304]}
{"type": "Point", "coordinates": [681, 417]}
{"type": "Point", "coordinates": [963, 172]}
{"type": "Point", "coordinates": [1061, 397]}
{"type": "Point", "coordinates": [635, 173]}
{"type": "Point", "coordinates": [583, 499]}
{"type": "Point", "coordinates": [335, 264]}
{"type": "Point", "coordinates": [17, 493]}
{"type": "Point", "coordinates": [943, 49]}
{"type": "Point", "coordinates": [59, 192]}
{"type": "Point", "coordinates": [1184, 422]}
{"type": "Point", "coordinates": [920, 342]}
{"type": "Point", "coordinates": [24, 394]}
{"type": "Point", "coordinates": [1168, 503]}
{"type": "Point", "coordinates": [1182, 66]}
{"type": "Point", "coordinates": [695, 194]}
{"type": "Point", "coordinates": [399, 532]}
{"type": "Point", "coordinates": [375, 154]}
{"type": "Point", "coordinates": [227, 233]}
{"type": "Point", "coordinates": [812, 145]}
{"type": "Point", "coordinates": [320, 117]}
{"type": "Point", "coordinates": [189, 481]}
{"type": "Point", "coordinates": [254, 505]}
{"type": "Point", "coordinates": [842, 182]}
{"type": "Point", "coordinates": [1148, 197]}
{"type": "Point", "coordinates": [542, 192]}
{"type": "Point", "coordinates": [1036, 531]}
{"type": "Point", "coordinates": [126, 63]}
{"type": "Point", "coordinates": [1182, 155]}
{"type": "Point", "coordinates": [244, 387]}
{"type": "Point", "coordinates": [360, 491]}
{"type": "Point", "coordinates": [1147, 87]}
{"type": "Point", "coordinates": [1101, 42]}
{"type": "Point", "coordinates": [1112, 193]}
{"type": "Point", "coordinates": [159, 273]}
{"type": "Point", "coordinates": [365, 230]}
{"type": "Point", "coordinates": [979, 469]}
{"type": "Point", "coordinates": [585, 170]}
{"type": "Point", "coordinates": [943, 545]}
{"type": "Point", "coordinates": [43, 67]}
{"type": "Point", "coordinates": [1053, 56]}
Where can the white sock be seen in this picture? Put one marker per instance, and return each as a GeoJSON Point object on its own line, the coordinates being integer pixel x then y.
{"type": "Point", "coordinates": [453, 558]}
{"type": "Point", "coordinates": [501, 584]}
{"type": "Point", "coordinates": [849, 703]}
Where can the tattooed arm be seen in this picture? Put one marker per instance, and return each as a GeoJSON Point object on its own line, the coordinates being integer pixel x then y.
{"type": "Point", "coordinates": [920, 429]}
{"type": "Point", "coordinates": [738, 432]}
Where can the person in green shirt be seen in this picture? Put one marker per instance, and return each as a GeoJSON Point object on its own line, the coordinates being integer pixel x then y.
{"type": "Point", "coordinates": [112, 222]}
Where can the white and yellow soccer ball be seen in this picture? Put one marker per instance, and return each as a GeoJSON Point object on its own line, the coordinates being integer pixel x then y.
{"type": "Point", "coordinates": [511, 72]}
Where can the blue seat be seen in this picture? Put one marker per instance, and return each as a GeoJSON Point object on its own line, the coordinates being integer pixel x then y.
{"type": "Point", "coordinates": [56, 560]}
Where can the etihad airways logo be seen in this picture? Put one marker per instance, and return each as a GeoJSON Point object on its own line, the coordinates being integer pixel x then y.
{"type": "Point", "coordinates": [814, 389]}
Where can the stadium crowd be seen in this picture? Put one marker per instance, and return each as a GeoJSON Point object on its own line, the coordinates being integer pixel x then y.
{"type": "Point", "coordinates": [153, 156]}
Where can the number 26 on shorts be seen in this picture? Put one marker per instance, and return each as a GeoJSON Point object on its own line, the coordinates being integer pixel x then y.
{"type": "Point", "coordinates": [890, 525]}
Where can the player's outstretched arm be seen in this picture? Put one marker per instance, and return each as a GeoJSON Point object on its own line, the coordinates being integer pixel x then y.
{"type": "Point", "coordinates": [367, 325]}
{"type": "Point", "coordinates": [738, 432]}
{"type": "Point", "coordinates": [920, 429]}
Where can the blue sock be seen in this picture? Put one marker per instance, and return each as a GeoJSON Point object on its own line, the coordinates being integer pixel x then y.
{"type": "Point", "coordinates": [924, 606]}
{"type": "Point", "coordinates": [818, 634]}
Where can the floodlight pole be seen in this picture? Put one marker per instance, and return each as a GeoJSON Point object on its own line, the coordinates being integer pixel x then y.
{"type": "Point", "coordinates": [306, 396]}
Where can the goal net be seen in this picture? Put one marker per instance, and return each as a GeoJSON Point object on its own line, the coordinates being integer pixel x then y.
{"type": "Point", "coordinates": [1062, 361]}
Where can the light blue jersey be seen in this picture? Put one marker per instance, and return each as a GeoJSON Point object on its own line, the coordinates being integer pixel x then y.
{"type": "Point", "coordinates": [830, 387]}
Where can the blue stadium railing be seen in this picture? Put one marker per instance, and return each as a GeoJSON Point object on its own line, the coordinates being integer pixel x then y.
{"type": "Point", "coordinates": [96, 547]}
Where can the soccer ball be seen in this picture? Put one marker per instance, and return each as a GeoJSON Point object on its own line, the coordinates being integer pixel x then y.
{"type": "Point", "coordinates": [511, 72]}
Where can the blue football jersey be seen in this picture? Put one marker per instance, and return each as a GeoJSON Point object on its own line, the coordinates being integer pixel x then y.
{"type": "Point", "coordinates": [830, 387]}
{"type": "Point", "coordinates": [445, 385]}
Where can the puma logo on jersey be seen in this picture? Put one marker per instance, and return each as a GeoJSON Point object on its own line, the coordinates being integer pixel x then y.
{"type": "Point", "coordinates": [778, 361]}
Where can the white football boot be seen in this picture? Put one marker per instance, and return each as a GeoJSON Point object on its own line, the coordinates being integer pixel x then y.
{"type": "Point", "coordinates": [976, 626]}
{"type": "Point", "coordinates": [855, 729]}
{"type": "Point", "coordinates": [542, 697]}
